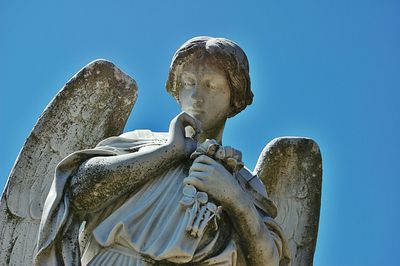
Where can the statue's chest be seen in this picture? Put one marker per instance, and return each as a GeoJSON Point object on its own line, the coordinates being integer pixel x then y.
{"type": "Point", "coordinates": [154, 222]}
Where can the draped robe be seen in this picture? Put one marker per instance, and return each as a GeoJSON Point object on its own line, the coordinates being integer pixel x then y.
{"type": "Point", "coordinates": [144, 227]}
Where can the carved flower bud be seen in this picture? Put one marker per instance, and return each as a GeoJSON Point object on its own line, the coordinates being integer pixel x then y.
{"type": "Point", "coordinates": [208, 147]}
{"type": "Point", "coordinates": [220, 154]}
{"type": "Point", "coordinates": [228, 156]}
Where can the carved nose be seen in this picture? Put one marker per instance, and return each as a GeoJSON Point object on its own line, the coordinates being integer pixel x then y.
{"type": "Point", "coordinates": [196, 95]}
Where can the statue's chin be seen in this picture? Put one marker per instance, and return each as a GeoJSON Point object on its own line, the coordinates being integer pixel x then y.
{"type": "Point", "coordinates": [196, 113]}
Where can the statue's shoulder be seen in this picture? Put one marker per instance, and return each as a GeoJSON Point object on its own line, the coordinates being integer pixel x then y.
{"type": "Point", "coordinates": [253, 185]}
{"type": "Point", "coordinates": [133, 141]}
{"type": "Point", "coordinates": [253, 181]}
{"type": "Point", "coordinates": [144, 134]}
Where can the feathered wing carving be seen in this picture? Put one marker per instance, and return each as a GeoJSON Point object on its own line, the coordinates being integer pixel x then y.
{"type": "Point", "coordinates": [291, 169]}
{"type": "Point", "coordinates": [93, 105]}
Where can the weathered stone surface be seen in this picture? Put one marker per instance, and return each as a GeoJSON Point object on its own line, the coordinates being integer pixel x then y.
{"type": "Point", "coordinates": [93, 105]}
{"type": "Point", "coordinates": [147, 201]}
{"type": "Point", "coordinates": [291, 169]}
{"type": "Point", "coordinates": [148, 197]}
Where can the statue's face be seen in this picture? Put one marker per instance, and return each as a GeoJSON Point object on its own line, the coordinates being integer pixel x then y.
{"type": "Point", "coordinates": [205, 93]}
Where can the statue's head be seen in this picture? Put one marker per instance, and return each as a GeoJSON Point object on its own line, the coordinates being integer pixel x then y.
{"type": "Point", "coordinates": [218, 53]}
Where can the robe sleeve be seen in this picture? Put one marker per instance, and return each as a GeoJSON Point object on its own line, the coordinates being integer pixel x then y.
{"type": "Point", "coordinates": [58, 239]}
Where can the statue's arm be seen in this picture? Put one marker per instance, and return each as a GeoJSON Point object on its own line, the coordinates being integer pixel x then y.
{"type": "Point", "coordinates": [255, 239]}
{"type": "Point", "coordinates": [101, 180]}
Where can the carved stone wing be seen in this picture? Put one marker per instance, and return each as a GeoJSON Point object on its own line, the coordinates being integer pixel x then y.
{"type": "Point", "coordinates": [291, 169]}
{"type": "Point", "coordinates": [93, 105]}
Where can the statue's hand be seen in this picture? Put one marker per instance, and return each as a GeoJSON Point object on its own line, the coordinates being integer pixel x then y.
{"type": "Point", "coordinates": [210, 176]}
{"type": "Point", "coordinates": [181, 144]}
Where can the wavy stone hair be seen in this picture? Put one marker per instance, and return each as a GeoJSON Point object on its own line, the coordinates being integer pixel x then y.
{"type": "Point", "coordinates": [227, 55]}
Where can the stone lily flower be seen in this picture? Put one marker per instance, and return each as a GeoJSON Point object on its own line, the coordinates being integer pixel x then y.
{"type": "Point", "coordinates": [192, 196]}
{"type": "Point", "coordinates": [199, 210]}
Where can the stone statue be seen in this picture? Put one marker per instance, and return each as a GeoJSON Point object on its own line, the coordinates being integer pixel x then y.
{"type": "Point", "coordinates": [82, 193]}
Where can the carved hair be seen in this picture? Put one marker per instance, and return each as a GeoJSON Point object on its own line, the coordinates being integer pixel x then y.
{"type": "Point", "coordinates": [227, 55]}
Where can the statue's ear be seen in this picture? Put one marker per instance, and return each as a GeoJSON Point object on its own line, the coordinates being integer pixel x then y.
{"type": "Point", "coordinates": [291, 169]}
{"type": "Point", "coordinates": [93, 105]}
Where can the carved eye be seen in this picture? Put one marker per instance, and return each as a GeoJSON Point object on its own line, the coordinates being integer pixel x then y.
{"type": "Point", "coordinates": [211, 86]}
{"type": "Point", "coordinates": [188, 82]}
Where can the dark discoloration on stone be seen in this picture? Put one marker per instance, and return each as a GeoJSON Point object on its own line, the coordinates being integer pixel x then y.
{"type": "Point", "coordinates": [98, 182]}
{"type": "Point", "coordinates": [93, 105]}
{"type": "Point", "coordinates": [291, 168]}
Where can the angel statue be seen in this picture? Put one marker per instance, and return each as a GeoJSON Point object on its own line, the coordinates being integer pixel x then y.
{"type": "Point", "coordinates": [81, 192]}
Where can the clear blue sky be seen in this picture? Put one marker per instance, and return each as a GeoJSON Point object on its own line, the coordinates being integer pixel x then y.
{"type": "Point", "coordinates": [329, 70]}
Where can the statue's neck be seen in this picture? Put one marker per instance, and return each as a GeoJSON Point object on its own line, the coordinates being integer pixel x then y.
{"type": "Point", "coordinates": [213, 133]}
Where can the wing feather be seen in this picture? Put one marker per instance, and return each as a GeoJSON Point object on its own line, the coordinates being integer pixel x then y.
{"type": "Point", "coordinates": [291, 169]}
{"type": "Point", "coordinates": [93, 105]}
